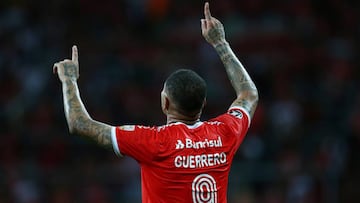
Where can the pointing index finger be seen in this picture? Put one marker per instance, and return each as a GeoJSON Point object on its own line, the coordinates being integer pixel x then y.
{"type": "Point", "coordinates": [75, 54]}
{"type": "Point", "coordinates": [207, 11]}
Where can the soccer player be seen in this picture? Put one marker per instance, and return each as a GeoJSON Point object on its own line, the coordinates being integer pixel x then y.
{"type": "Point", "coordinates": [186, 160]}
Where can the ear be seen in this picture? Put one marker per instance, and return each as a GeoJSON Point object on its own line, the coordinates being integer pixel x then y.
{"type": "Point", "coordinates": [165, 103]}
{"type": "Point", "coordinates": [202, 107]}
{"type": "Point", "coordinates": [204, 104]}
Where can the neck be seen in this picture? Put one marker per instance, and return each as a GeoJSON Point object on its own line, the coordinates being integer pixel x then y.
{"type": "Point", "coordinates": [174, 117]}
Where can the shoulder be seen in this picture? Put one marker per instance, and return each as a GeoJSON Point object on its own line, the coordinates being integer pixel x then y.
{"type": "Point", "coordinates": [234, 114]}
{"type": "Point", "coordinates": [235, 121]}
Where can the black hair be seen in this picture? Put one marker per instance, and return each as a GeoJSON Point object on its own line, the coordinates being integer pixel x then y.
{"type": "Point", "coordinates": [187, 90]}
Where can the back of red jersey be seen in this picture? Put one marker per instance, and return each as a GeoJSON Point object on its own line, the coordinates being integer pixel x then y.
{"type": "Point", "coordinates": [182, 163]}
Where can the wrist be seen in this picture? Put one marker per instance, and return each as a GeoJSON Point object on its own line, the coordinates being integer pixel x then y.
{"type": "Point", "coordinates": [224, 51]}
{"type": "Point", "coordinates": [68, 80]}
{"type": "Point", "coordinates": [220, 44]}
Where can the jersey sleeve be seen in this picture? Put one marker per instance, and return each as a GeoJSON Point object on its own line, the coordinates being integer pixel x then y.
{"type": "Point", "coordinates": [140, 142]}
{"type": "Point", "coordinates": [241, 114]}
{"type": "Point", "coordinates": [237, 119]}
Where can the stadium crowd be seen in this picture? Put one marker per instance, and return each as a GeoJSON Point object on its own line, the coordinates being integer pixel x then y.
{"type": "Point", "coordinates": [303, 145]}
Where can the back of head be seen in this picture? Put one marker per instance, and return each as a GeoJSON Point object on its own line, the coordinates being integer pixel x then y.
{"type": "Point", "coordinates": [187, 91]}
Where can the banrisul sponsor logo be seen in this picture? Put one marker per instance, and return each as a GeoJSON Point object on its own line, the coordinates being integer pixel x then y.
{"type": "Point", "coordinates": [206, 143]}
{"type": "Point", "coordinates": [179, 145]}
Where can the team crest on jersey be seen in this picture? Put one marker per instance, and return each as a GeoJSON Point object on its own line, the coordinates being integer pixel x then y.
{"type": "Point", "coordinates": [236, 113]}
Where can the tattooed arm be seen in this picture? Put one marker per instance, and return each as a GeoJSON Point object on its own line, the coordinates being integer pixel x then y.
{"type": "Point", "coordinates": [78, 119]}
{"type": "Point", "coordinates": [213, 32]}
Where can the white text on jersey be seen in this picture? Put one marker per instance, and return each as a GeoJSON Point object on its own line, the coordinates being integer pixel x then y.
{"type": "Point", "coordinates": [200, 161]}
{"type": "Point", "coordinates": [190, 144]}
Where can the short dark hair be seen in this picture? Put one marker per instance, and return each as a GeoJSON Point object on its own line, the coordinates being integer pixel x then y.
{"type": "Point", "coordinates": [187, 90]}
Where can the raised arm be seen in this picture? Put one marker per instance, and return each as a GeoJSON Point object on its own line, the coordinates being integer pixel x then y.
{"type": "Point", "coordinates": [213, 32]}
{"type": "Point", "coordinates": [78, 119]}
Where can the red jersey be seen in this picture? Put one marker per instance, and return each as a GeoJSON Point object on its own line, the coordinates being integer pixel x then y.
{"type": "Point", "coordinates": [184, 163]}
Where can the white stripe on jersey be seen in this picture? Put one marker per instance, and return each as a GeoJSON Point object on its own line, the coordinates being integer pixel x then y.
{"type": "Point", "coordinates": [114, 142]}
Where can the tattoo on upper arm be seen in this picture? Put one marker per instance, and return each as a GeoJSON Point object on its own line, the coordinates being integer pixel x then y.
{"type": "Point", "coordinates": [99, 132]}
{"type": "Point", "coordinates": [80, 121]}
{"type": "Point", "coordinates": [248, 106]}
{"type": "Point", "coordinates": [239, 78]}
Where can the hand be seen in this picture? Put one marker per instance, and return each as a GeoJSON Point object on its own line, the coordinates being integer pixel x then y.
{"type": "Point", "coordinates": [68, 69]}
{"type": "Point", "coordinates": [212, 29]}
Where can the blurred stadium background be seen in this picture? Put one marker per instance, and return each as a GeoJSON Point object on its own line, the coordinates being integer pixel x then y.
{"type": "Point", "coordinates": [304, 142]}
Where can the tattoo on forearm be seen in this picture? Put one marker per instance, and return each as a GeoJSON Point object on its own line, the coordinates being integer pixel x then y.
{"type": "Point", "coordinates": [78, 118]}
